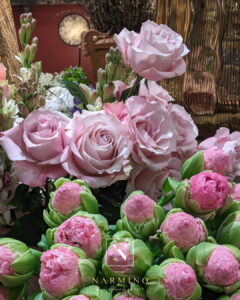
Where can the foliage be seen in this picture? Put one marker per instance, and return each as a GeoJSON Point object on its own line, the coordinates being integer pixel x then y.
{"type": "Point", "coordinates": [75, 74]}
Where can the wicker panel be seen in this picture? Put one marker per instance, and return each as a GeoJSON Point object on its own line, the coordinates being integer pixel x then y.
{"type": "Point", "coordinates": [210, 88]}
{"type": "Point", "coordinates": [8, 40]}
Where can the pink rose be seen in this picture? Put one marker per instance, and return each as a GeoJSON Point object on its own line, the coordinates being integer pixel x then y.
{"type": "Point", "coordinates": [152, 91]}
{"type": "Point", "coordinates": [2, 72]}
{"type": "Point", "coordinates": [118, 110]}
{"type": "Point", "coordinates": [228, 143]}
{"type": "Point", "coordinates": [59, 271]}
{"type": "Point", "coordinates": [6, 259]}
{"type": "Point", "coordinates": [236, 192]}
{"type": "Point", "coordinates": [155, 53]}
{"type": "Point", "coordinates": [216, 160]}
{"type": "Point", "coordinates": [99, 149]}
{"type": "Point", "coordinates": [186, 130]}
{"type": "Point", "coordinates": [179, 280]}
{"type": "Point", "coordinates": [153, 136]}
{"type": "Point", "coordinates": [36, 146]}
{"type": "Point", "coordinates": [149, 181]}
{"type": "Point", "coordinates": [222, 267]}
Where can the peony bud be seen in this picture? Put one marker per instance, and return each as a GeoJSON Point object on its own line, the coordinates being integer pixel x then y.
{"type": "Point", "coordinates": [234, 296]}
{"type": "Point", "coordinates": [204, 195]}
{"type": "Point", "coordinates": [135, 292]}
{"type": "Point", "coordinates": [92, 292]}
{"type": "Point", "coordinates": [140, 215]}
{"type": "Point", "coordinates": [68, 199]}
{"type": "Point", "coordinates": [217, 266]}
{"type": "Point", "coordinates": [173, 279]}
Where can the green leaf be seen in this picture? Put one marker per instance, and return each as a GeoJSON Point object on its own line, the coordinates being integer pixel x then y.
{"type": "Point", "coordinates": [193, 165]}
{"type": "Point", "coordinates": [43, 243]}
{"type": "Point", "coordinates": [74, 90]}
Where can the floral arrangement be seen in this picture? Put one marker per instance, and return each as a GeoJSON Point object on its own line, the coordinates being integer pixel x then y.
{"type": "Point", "coordinates": [175, 235]}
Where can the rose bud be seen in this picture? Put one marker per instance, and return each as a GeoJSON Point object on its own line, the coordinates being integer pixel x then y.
{"type": "Point", "coordinates": [126, 257]}
{"type": "Point", "coordinates": [234, 296]}
{"type": "Point", "coordinates": [213, 159]}
{"type": "Point", "coordinates": [69, 198]}
{"type": "Point", "coordinates": [64, 270]}
{"type": "Point", "coordinates": [17, 262]}
{"type": "Point", "coordinates": [172, 279]}
{"type": "Point", "coordinates": [217, 266]}
{"type": "Point", "coordinates": [204, 195]}
{"type": "Point", "coordinates": [135, 292]}
{"type": "Point", "coordinates": [14, 293]}
{"type": "Point", "coordinates": [229, 230]}
{"type": "Point", "coordinates": [83, 230]}
{"type": "Point", "coordinates": [91, 292]}
{"type": "Point", "coordinates": [179, 232]}
{"type": "Point", "coordinates": [140, 215]}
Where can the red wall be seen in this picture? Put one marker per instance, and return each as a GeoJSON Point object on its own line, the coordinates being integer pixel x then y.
{"type": "Point", "coordinates": [54, 54]}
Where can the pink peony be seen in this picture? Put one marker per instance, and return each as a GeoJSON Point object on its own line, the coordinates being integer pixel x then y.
{"type": "Point", "coordinates": [153, 92]}
{"type": "Point", "coordinates": [119, 259]}
{"type": "Point", "coordinates": [152, 133]}
{"type": "Point", "coordinates": [216, 160]}
{"type": "Point", "coordinates": [179, 281]}
{"type": "Point", "coordinates": [228, 143]}
{"type": "Point", "coordinates": [80, 297]}
{"type": "Point", "coordinates": [184, 230]}
{"type": "Point", "coordinates": [99, 149]}
{"type": "Point", "coordinates": [236, 192]}
{"type": "Point", "coordinates": [139, 208]}
{"type": "Point", "coordinates": [155, 54]}
{"type": "Point", "coordinates": [2, 72]}
{"type": "Point", "coordinates": [67, 197]}
{"type": "Point", "coordinates": [236, 297]}
{"type": "Point", "coordinates": [128, 298]}
{"type": "Point", "coordinates": [36, 146]}
{"type": "Point", "coordinates": [2, 293]}
{"type": "Point", "coordinates": [118, 110]}
{"type": "Point", "coordinates": [210, 190]}
{"type": "Point", "coordinates": [59, 271]}
{"type": "Point", "coordinates": [6, 259]}
{"type": "Point", "coordinates": [186, 130]}
{"type": "Point", "coordinates": [149, 181]}
{"type": "Point", "coordinates": [222, 267]}
{"type": "Point", "coordinates": [80, 232]}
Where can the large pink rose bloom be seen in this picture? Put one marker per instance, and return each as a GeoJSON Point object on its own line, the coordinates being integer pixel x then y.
{"type": "Point", "coordinates": [236, 192]}
{"type": "Point", "coordinates": [149, 181]}
{"type": "Point", "coordinates": [228, 143]}
{"type": "Point", "coordinates": [80, 232]}
{"type": "Point", "coordinates": [59, 271]}
{"type": "Point", "coordinates": [80, 297]}
{"type": "Point", "coordinates": [99, 149]}
{"type": "Point", "coordinates": [153, 136]}
{"type": "Point", "coordinates": [2, 293]}
{"type": "Point", "coordinates": [139, 208]}
{"type": "Point", "coordinates": [6, 258]}
{"type": "Point", "coordinates": [184, 230]}
{"type": "Point", "coordinates": [128, 298]}
{"type": "Point", "coordinates": [179, 281]}
{"type": "Point", "coordinates": [36, 146]}
{"type": "Point", "coordinates": [67, 197]}
{"type": "Point", "coordinates": [210, 190]}
{"type": "Point", "coordinates": [155, 53]}
{"type": "Point", "coordinates": [216, 160]}
{"type": "Point", "coordinates": [222, 267]}
{"type": "Point", "coordinates": [119, 259]}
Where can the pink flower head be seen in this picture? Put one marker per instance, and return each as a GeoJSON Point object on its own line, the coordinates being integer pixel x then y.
{"type": "Point", "coordinates": [80, 232]}
{"type": "Point", "coordinates": [59, 271]}
{"type": "Point", "coordinates": [184, 230]}
{"type": "Point", "coordinates": [149, 181]}
{"type": "Point", "coordinates": [6, 258]}
{"type": "Point", "coordinates": [236, 192]}
{"type": "Point", "coordinates": [153, 92]}
{"type": "Point", "coordinates": [128, 298]}
{"type": "Point", "coordinates": [119, 259]}
{"type": "Point", "coordinates": [67, 197]}
{"type": "Point", "coordinates": [216, 160]}
{"type": "Point", "coordinates": [139, 208]}
{"type": "Point", "coordinates": [99, 150]}
{"type": "Point", "coordinates": [236, 297]}
{"type": "Point", "coordinates": [119, 87]}
{"type": "Point", "coordinates": [222, 267]}
{"type": "Point", "coordinates": [3, 293]}
{"type": "Point", "coordinates": [155, 53]}
{"type": "Point", "coordinates": [2, 72]}
{"type": "Point", "coordinates": [118, 110]}
{"type": "Point", "coordinates": [36, 146]}
{"type": "Point", "coordinates": [210, 190]}
{"type": "Point", "coordinates": [179, 281]}
{"type": "Point", "coordinates": [80, 297]}
{"type": "Point", "coordinates": [151, 128]}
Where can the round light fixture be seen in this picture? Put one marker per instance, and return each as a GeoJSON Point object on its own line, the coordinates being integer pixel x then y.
{"type": "Point", "coordinates": [71, 28]}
